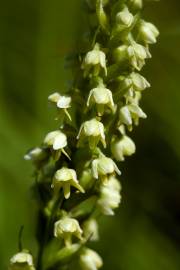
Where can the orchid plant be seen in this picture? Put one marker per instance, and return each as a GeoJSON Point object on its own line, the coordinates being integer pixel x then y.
{"type": "Point", "coordinates": [77, 166]}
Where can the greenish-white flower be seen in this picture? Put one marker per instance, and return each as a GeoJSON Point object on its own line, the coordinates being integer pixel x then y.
{"type": "Point", "coordinates": [124, 19]}
{"type": "Point", "coordinates": [56, 139]}
{"type": "Point", "coordinates": [93, 131]}
{"type": "Point", "coordinates": [103, 167]}
{"type": "Point", "coordinates": [67, 227]}
{"type": "Point", "coordinates": [90, 229]}
{"type": "Point", "coordinates": [38, 155]}
{"type": "Point", "coordinates": [131, 113]}
{"type": "Point", "coordinates": [137, 55]}
{"type": "Point", "coordinates": [102, 97]}
{"type": "Point", "coordinates": [94, 61]}
{"type": "Point", "coordinates": [134, 53]}
{"type": "Point", "coordinates": [22, 261]}
{"type": "Point", "coordinates": [90, 260]}
{"type": "Point", "coordinates": [110, 196]}
{"type": "Point", "coordinates": [148, 32]}
{"type": "Point", "coordinates": [139, 83]}
{"type": "Point", "coordinates": [62, 102]}
{"type": "Point", "coordinates": [123, 147]}
{"type": "Point", "coordinates": [65, 178]}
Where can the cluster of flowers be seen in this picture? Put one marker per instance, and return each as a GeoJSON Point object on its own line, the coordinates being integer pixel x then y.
{"type": "Point", "coordinates": [75, 164]}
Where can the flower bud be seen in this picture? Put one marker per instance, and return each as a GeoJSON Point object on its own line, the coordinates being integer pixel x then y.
{"type": "Point", "coordinates": [67, 227]}
{"type": "Point", "coordinates": [123, 147]}
{"type": "Point", "coordinates": [120, 53]}
{"type": "Point", "coordinates": [93, 130]}
{"type": "Point", "coordinates": [103, 167]}
{"type": "Point", "coordinates": [124, 19]}
{"type": "Point", "coordinates": [90, 229]}
{"type": "Point", "coordinates": [137, 4]}
{"type": "Point", "coordinates": [90, 260]}
{"type": "Point", "coordinates": [148, 32]}
{"type": "Point", "coordinates": [65, 178]}
{"type": "Point", "coordinates": [94, 60]}
{"type": "Point", "coordinates": [22, 261]}
{"type": "Point", "coordinates": [102, 97]}
{"type": "Point", "coordinates": [110, 197]}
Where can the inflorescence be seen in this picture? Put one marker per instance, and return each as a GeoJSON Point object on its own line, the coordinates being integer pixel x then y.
{"type": "Point", "coordinates": [76, 171]}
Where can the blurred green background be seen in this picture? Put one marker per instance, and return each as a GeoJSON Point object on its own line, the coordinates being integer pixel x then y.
{"type": "Point", "coordinates": [35, 35]}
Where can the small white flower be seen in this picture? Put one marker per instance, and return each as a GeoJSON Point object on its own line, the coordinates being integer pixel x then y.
{"type": "Point", "coordinates": [130, 113]}
{"type": "Point", "coordinates": [37, 155]}
{"type": "Point", "coordinates": [56, 139]}
{"type": "Point", "coordinates": [93, 130]}
{"type": "Point", "coordinates": [90, 229]}
{"type": "Point", "coordinates": [139, 83]}
{"type": "Point", "coordinates": [110, 197]}
{"type": "Point", "coordinates": [148, 32]}
{"type": "Point", "coordinates": [102, 97]}
{"type": "Point", "coordinates": [22, 260]}
{"type": "Point", "coordinates": [124, 19]}
{"type": "Point", "coordinates": [62, 102]}
{"type": "Point", "coordinates": [67, 227]}
{"type": "Point", "coordinates": [103, 167]}
{"type": "Point", "coordinates": [90, 260]}
{"type": "Point", "coordinates": [137, 55]}
{"type": "Point", "coordinates": [95, 59]}
{"type": "Point", "coordinates": [65, 178]}
{"type": "Point", "coordinates": [134, 53]}
{"type": "Point", "coordinates": [123, 147]}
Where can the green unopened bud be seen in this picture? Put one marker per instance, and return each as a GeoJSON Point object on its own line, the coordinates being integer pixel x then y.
{"type": "Point", "coordinates": [67, 227]}
{"type": "Point", "coordinates": [92, 3]}
{"type": "Point", "coordinates": [90, 260]}
{"type": "Point", "coordinates": [123, 147]}
{"type": "Point", "coordinates": [120, 54]}
{"type": "Point", "coordinates": [148, 32]}
{"type": "Point", "coordinates": [124, 19]}
{"type": "Point", "coordinates": [94, 61]}
{"type": "Point", "coordinates": [90, 229]}
{"type": "Point", "coordinates": [22, 261]}
{"type": "Point", "coordinates": [102, 97]}
{"type": "Point", "coordinates": [137, 4]}
{"type": "Point", "coordinates": [65, 178]}
{"type": "Point", "coordinates": [110, 197]}
{"type": "Point", "coordinates": [93, 130]}
{"type": "Point", "coordinates": [103, 167]}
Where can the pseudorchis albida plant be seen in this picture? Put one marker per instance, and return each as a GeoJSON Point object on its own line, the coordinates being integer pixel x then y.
{"type": "Point", "coordinates": [77, 165]}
